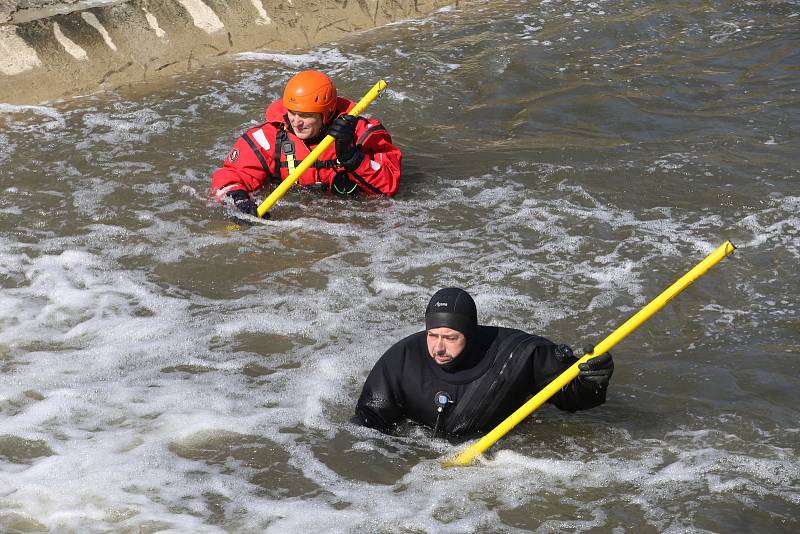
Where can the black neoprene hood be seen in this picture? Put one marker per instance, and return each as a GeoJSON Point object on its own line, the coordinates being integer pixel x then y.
{"type": "Point", "coordinates": [454, 308]}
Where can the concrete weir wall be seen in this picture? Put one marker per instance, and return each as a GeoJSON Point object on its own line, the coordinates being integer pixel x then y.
{"type": "Point", "coordinates": [51, 49]}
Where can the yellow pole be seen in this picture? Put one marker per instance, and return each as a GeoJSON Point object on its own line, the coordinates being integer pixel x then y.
{"type": "Point", "coordinates": [567, 376]}
{"type": "Point", "coordinates": [309, 160]}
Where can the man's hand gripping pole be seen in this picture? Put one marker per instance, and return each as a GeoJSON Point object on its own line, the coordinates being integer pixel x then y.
{"type": "Point", "coordinates": [476, 449]}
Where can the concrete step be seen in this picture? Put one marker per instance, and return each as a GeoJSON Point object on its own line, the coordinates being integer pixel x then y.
{"type": "Point", "coordinates": [52, 49]}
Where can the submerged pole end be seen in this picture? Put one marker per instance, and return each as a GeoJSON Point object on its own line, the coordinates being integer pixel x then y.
{"type": "Point", "coordinates": [465, 458]}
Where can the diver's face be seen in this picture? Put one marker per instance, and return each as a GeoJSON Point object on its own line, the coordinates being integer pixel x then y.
{"type": "Point", "coordinates": [306, 125]}
{"type": "Point", "coordinates": [445, 344]}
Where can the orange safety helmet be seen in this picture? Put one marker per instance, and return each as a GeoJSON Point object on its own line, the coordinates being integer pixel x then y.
{"type": "Point", "coordinates": [310, 91]}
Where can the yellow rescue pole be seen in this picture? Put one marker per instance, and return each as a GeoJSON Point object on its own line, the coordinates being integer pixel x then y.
{"type": "Point", "coordinates": [309, 160]}
{"type": "Point", "coordinates": [474, 450]}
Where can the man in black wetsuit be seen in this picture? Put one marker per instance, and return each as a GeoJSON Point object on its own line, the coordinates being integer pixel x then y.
{"type": "Point", "coordinates": [478, 375]}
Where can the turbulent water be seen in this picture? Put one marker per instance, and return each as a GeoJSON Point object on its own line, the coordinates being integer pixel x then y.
{"type": "Point", "coordinates": [564, 161]}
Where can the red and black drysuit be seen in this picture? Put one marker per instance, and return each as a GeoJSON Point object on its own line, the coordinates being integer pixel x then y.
{"type": "Point", "coordinates": [271, 151]}
{"type": "Point", "coordinates": [499, 369]}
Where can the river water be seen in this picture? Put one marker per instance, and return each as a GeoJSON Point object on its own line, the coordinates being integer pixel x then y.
{"type": "Point", "coordinates": [564, 161]}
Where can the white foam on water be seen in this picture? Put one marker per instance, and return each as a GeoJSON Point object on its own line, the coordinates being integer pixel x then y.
{"type": "Point", "coordinates": [90, 199]}
{"type": "Point", "coordinates": [127, 127]}
{"type": "Point", "coordinates": [332, 58]}
{"type": "Point", "coordinates": [7, 148]}
{"type": "Point", "coordinates": [770, 225]}
{"type": "Point", "coordinates": [107, 412]}
{"type": "Point", "coordinates": [613, 280]}
{"type": "Point", "coordinates": [46, 111]}
{"type": "Point", "coordinates": [399, 96]}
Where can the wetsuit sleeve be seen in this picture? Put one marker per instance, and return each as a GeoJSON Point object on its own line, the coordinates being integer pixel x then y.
{"type": "Point", "coordinates": [379, 171]}
{"type": "Point", "coordinates": [552, 360]}
{"type": "Point", "coordinates": [380, 405]}
{"type": "Point", "coordinates": [246, 167]}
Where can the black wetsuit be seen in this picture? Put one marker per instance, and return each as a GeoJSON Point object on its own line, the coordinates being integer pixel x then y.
{"type": "Point", "coordinates": [499, 369]}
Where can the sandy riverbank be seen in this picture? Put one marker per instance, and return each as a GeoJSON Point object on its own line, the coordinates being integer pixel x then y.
{"type": "Point", "coordinates": [52, 49]}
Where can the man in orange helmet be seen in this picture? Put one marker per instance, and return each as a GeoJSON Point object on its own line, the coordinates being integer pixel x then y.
{"type": "Point", "coordinates": [363, 157]}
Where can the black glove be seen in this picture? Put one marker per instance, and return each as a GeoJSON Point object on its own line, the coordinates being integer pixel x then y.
{"type": "Point", "coordinates": [596, 373]}
{"type": "Point", "coordinates": [342, 185]}
{"type": "Point", "coordinates": [343, 129]}
{"type": "Point", "coordinates": [241, 200]}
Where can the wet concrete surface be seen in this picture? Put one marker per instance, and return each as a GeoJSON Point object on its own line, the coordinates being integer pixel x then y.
{"type": "Point", "coordinates": [55, 49]}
